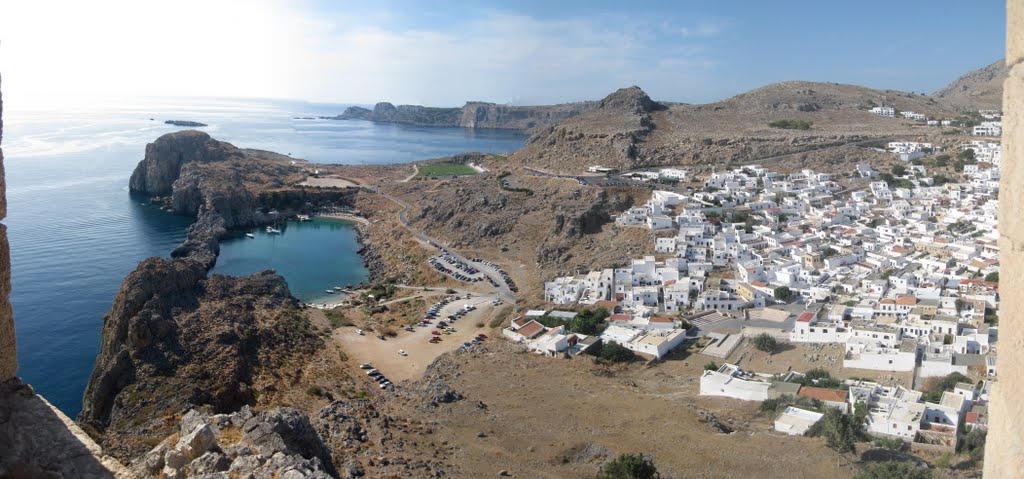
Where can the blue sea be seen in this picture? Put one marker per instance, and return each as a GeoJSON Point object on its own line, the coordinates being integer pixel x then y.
{"type": "Point", "coordinates": [75, 231]}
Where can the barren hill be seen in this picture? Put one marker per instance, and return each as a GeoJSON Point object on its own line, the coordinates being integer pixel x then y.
{"type": "Point", "coordinates": [980, 89]}
{"type": "Point", "coordinates": [628, 130]}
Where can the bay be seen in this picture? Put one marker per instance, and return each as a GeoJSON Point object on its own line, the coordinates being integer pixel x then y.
{"type": "Point", "coordinates": [75, 231]}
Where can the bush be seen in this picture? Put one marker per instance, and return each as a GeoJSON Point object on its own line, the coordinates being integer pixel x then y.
{"type": "Point", "coordinates": [616, 353]}
{"type": "Point", "coordinates": [791, 124]}
{"type": "Point", "coordinates": [629, 466]}
{"type": "Point", "coordinates": [934, 387]}
{"type": "Point", "coordinates": [993, 277]}
{"type": "Point", "coordinates": [337, 318]}
{"type": "Point", "coordinates": [892, 444]}
{"type": "Point", "coordinates": [974, 443]}
{"type": "Point", "coordinates": [841, 431]}
{"type": "Point", "coordinates": [765, 342]}
{"type": "Point", "coordinates": [783, 293]}
{"type": "Point", "coordinates": [780, 403]}
{"type": "Point", "coordinates": [711, 366]}
{"type": "Point", "coordinates": [894, 470]}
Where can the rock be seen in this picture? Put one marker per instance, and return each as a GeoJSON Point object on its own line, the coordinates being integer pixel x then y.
{"type": "Point", "coordinates": [481, 434]}
{"type": "Point", "coordinates": [503, 473]}
{"type": "Point", "coordinates": [209, 463]}
{"type": "Point", "coordinates": [355, 470]}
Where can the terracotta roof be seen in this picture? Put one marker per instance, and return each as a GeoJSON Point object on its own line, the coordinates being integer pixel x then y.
{"type": "Point", "coordinates": [660, 319]}
{"type": "Point", "coordinates": [759, 284]}
{"type": "Point", "coordinates": [886, 301]}
{"type": "Point", "coordinates": [620, 317]}
{"type": "Point", "coordinates": [823, 394]}
{"type": "Point", "coordinates": [805, 317]}
{"type": "Point", "coordinates": [971, 418]}
{"type": "Point", "coordinates": [906, 300]}
{"type": "Point", "coordinates": [530, 329]}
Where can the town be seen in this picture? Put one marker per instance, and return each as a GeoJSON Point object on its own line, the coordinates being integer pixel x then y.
{"type": "Point", "coordinates": [897, 270]}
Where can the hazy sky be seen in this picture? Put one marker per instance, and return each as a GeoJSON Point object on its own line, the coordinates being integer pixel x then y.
{"type": "Point", "coordinates": [444, 53]}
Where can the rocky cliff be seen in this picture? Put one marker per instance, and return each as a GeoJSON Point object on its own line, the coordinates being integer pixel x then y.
{"type": "Point", "coordinates": [175, 338]}
{"type": "Point", "coordinates": [472, 115]}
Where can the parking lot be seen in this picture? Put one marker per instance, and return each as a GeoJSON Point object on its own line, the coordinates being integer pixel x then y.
{"type": "Point", "coordinates": [384, 355]}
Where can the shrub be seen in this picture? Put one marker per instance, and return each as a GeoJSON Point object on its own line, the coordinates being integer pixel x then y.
{"type": "Point", "coordinates": [765, 342]}
{"type": "Point", "coordinates": [337, 318]}
{"type": "Point", "coordinates": [783, 293]}
{"type": "Point", "coordinates": [892, 444]}
{"type": "Point", "coordinates": [791, 124]}
{"type": "Point", "coordinates": [616, 353]}
{"type": "Point", "coordinates": [629, 466]}
{"type": "Point", "coordinates": [993, 277]}
{"type": "Point", "coordinates": [894, 470]}
{"type": "Point", "coordinates": [841, 431]}
{"type": "Point", "coordinates": [711, 366]}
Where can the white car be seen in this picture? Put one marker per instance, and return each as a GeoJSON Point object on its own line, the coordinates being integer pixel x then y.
{"type": "Point", "coordinates": [402, 352]}
{"type": "Point", "coordinates": [359, 332]}
{"type": "Point", "coordinates": [366, 366]}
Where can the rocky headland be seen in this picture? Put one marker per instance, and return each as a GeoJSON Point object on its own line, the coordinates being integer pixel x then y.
{"type": "Point", "coordinates": [472, 115]}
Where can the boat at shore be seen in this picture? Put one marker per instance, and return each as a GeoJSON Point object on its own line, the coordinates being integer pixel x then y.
{"type": "Point", "coordinates": [273, 231]}
{"type": "Point", "coordinates": [304, 218]}
{"type": "Point", "coordinates": [331, 291]}
{"type": "Point", "coordinates": [250, 235]}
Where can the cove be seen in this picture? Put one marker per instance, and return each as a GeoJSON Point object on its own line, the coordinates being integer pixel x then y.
{"type": "Point", "coordinates": [313, 256]}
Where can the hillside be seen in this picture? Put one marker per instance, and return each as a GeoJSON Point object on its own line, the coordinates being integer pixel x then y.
{"type": "Point", "coordinates": [628, 130]}
{"type": "Point", "coordinates": [980, 89]}
{"type": "Point", "coordinates": [472, 115]}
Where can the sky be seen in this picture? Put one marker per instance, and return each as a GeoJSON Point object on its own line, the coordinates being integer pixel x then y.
{"type": "Point", "coordinates": [445, 53]}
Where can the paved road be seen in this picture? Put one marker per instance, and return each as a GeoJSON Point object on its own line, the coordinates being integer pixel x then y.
{"type": "Point", "coordinates": [488, 271]}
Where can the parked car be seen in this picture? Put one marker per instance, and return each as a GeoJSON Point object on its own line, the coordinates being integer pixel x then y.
{"type": "Point", "coordinates": [366, 366]}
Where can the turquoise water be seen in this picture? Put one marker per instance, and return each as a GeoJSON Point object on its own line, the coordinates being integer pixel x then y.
{"type": "Point", "coordinates": [75, 232]}
{"type": "Point", "coordinates": [312, 255]}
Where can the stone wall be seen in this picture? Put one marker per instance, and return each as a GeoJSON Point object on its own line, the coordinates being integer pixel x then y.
{"type": "Point", "coordinates": [1004, 454]}
{"type": "Point", "coordinates": [8, 352]}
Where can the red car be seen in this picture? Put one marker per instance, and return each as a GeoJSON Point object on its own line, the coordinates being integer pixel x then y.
{"type": "Point", "coordinates": [482, 336]}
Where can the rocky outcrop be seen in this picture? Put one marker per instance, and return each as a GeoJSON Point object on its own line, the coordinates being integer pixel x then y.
{"type": "Point", "coordinates": [491, 115]}
{"type": "Point", "coordinates": [385, 112]}
{"type": "Point", "coordinates": [175, 339]}
{"type": "Point", "coordinates": [472, 115]}
{"type": "Point", "coordinates": [278, 443]}
{"type": "Point", "coordinates": [156, 173]}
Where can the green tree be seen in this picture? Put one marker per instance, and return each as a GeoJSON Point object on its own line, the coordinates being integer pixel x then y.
{"type": "Point", "coordinates": [765, 342]}
{"type": "Point", "coordinates": [899, 170]}
{"type": "Point", "coordinates": [941, 160]}
{"type": "Point", "coordinates": [711, 366]}
{"type": "Point", "coordinates": [629, 466]}
{"type": "Point", "coordinates": [894, 470]}
{"type": "Point", "coordinates": [994, 276]}
{"type": "Point", "coordinates": [783, 293]}
{"type": "Point", "coordinates": [841, 431]}
{"type": "Point", "coordinates": [966, 154]}
{"type": "Point", "coordinates": [616, 353]}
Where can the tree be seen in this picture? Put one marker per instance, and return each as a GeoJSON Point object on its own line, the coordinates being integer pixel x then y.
{"type": "Point", "coordinates": [941, 160]}
{"type": "Point", "coordinates": [616, 353]}
{"type": "Point", "coordinates": [993, 277]}
{"type": "Point", "coordinates": [974, 443]}
{"type": "Point", "coordinates": [894, 470]}
{"type": "Point", "coordinates": [841, 431]}
{"type": "Point", "coordinates": [899, 170]}
{"type": "Point", "coordinates": [966, 154]}
{"type": "Point", "coordinates": [783, 293]}
{"type": "Point", "coordinates": [711, 366]}
{"type": "Point", "coordinates": [629, 466]}
{"type": "Point", "coordinates": [765, 342]}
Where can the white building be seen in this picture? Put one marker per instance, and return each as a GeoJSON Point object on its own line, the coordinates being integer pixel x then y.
{"type": "Point", "coordinates": [795, 421]}
{"type": "Point", "coordinates": [731, 381]}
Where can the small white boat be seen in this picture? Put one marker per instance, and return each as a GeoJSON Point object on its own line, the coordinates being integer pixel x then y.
{"type": "Point", "coordinates": [273, 231]}
{"type": "Point", "coordinates": [304, 218]}
{"type": "Point", "coordinates": [331, 291]}
{"type": "Point", "coordinates": [251, 235]}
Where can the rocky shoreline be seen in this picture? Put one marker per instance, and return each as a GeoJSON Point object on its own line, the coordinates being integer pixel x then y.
{"type": "Point", "coordinates": [372, 259]}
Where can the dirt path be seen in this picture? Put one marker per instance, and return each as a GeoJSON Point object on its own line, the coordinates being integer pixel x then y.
{"type": "Point", "coordinates": [420, 352]}
{"type": "Point", "coordinates": [415, 171]}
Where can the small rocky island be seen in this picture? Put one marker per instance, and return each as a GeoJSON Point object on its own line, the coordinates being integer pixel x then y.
{"type": "Point", "coordinates": [187, 123]}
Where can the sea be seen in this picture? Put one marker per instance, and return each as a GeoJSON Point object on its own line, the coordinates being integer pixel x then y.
{"type": "Point", "coordinates": [75, 231]}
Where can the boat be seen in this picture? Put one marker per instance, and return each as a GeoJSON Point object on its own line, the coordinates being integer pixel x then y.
{"type": "Point", "coordinates": [304, 218]}
{"type": "Point", "coordinates": [273, 231]}
{"type": "Point", "coordinates": [251, 235]}
{"type": "Point", "coordinates": [331, 291]}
